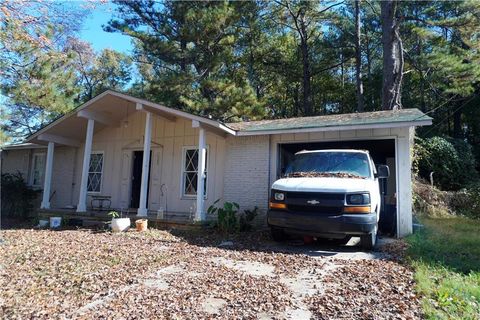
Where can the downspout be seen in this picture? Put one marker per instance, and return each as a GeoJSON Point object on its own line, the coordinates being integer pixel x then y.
{"type": "Point", "coordinates": [269, 165]}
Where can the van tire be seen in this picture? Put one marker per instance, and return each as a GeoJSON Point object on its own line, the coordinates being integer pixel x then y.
{"type": "Point", "coordinates": [369, 241]}
{"type": "Point", "coordinates": [278, 234]}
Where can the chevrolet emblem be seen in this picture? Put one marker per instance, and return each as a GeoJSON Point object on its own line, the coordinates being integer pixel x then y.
{"type": "Point", "coordinates": [313, 202]}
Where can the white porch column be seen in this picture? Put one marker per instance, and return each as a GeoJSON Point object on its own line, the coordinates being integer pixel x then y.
{"type": "Point", "coordinates": [48, 177]}
{"type": "Point", "coordinates": [142, 208]}
{"type": "Point", "coordinates": [82, 200]}
{"type": "Point", "coordinates": [202, 153]}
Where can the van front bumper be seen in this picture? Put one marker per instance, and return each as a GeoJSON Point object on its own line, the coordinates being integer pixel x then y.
{"type": "Point", "coordinates": [313, 224]}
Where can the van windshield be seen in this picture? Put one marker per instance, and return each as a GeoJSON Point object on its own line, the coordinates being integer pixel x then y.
{"type": "Point", "coordinates": [330, 164]}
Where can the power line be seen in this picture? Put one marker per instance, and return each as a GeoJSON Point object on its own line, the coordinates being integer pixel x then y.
{"type": "Point", "coordinates": [448, 116]}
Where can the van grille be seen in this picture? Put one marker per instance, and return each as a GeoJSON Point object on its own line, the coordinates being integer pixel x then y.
{"type": "Point", "coordinates": [315, 202]}
{"type": "Point", "coordinates": [316, 195]}
{"type": "Point", "coordinates": [316, 209]}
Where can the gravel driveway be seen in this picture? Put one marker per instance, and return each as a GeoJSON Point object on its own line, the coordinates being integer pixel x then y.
{"type": "Point", "coordinates": [81, 274]}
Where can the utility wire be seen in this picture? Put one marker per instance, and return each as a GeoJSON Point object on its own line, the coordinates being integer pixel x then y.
{"type": "Point", "coordinates": [448, 116]}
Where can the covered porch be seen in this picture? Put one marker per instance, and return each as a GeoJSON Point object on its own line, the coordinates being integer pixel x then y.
{"type": "Point", "coordinates": [135, 154]}
{"type": "Point", "coordinates": [100, 218]}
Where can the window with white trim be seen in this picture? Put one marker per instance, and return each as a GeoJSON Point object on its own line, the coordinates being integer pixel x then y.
{"type": "Point", "coordinates": [95, 171]}
{"type": "Point", "coordinates": [190, 172]}
{"type": "Point", "coordinates": [38, 169]}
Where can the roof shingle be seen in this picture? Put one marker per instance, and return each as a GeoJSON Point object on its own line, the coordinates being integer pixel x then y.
{"type": "Point", "coordinates": [335, 120]}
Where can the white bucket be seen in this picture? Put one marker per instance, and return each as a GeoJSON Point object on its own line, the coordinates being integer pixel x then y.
{"type": "Point", "coordinates": [120, 224]}
{"type": "Point", "coordinates": [55, 222]}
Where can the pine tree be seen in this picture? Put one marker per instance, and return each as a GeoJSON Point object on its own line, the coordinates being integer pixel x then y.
{"type": "Point", "coordinates": [190, 47]}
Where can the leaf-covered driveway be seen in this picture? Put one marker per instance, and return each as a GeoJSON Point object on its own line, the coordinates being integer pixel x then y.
{"type": "Point", "coordinates": [81, 274]}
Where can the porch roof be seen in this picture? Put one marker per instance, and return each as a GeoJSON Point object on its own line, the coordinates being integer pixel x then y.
{"type": "Point", "coordinates": [109, 109]}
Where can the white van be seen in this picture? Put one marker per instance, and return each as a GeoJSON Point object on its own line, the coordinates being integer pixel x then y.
{"type": "Point", "coordinates": [328, 194]}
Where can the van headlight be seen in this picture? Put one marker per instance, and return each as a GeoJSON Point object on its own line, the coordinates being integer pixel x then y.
{"type": "Point", "coordinates": [279, 196]}
{"type": "Point", "coordinates": [358, 198]}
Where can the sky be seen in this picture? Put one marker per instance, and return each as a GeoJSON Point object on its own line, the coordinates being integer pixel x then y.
{"type": "Point", "coordinates": [92, 30]}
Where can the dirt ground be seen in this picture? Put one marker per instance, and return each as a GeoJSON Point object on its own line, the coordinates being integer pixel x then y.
{"type": "Point", "coordinates": [82, 274]}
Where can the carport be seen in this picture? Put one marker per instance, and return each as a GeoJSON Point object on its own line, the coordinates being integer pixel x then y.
{"type": "Point", "coordinates": [387, 135]}
{"type": "Point", "coordinates": [382, 152]}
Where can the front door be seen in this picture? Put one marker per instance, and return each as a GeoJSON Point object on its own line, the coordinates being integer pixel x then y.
{"type": "Point", "coordinates": [137, 178]}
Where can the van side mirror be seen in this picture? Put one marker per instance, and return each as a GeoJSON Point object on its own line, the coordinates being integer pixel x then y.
{"type": "Point", "coordinates": [383, 172]}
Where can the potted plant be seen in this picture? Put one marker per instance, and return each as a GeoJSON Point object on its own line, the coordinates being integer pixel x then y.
{"type": "Point", "coordinates": [119, 224]}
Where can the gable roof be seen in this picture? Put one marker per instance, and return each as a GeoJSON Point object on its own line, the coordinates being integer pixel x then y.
{"type": "Point", "coordinates": [349, 121]}
{"type": "Point", "coordinates": [110, 105]}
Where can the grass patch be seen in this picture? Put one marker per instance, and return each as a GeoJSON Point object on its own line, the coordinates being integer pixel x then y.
{"type": "Point", "coordinates": [446, 258]}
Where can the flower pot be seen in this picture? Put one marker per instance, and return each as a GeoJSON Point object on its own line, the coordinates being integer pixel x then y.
{"type": "Point", "coordinates": [141, 224]}
{"type": "Point", "coordinates": [120, 224]}
{"type": "Point", "coordinates": [55, 222]}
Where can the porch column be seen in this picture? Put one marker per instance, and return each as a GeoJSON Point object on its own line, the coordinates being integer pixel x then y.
{"type": "Point", "coordinates": [142, 207]}
{"type": "Point", "coordinates": [202, 152]}
{"type": "Point", "coordinates": [48, 177]}
{"type": "Point", "coordinates": [82, 199]}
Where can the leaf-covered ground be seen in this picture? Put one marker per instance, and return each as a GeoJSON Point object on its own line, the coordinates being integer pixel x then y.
{"type": "Point", "coordinates": [82, 274]}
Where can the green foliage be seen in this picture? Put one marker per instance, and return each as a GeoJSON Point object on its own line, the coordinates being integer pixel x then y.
{"type": "Point", "coordinates": [114, 214]}
{"type": "Point", "coordinates": [245, 220]}
{"type": "Point", "coordinates": [108, 69]}
{"type": "Point", "coordinates": [37, 75]}
{"type": "Point", "coordinates": [445, 257]}
{"type": "Point", "coordinates": [226, 216]}
{"type": "Point", "coordinates": [451, 160]}
{"type": "Point", "coordinates": [467, 201]}
{"type": "Point", "coordinates": [190, 47]}
{"type": "Point", "coordinates": [229, 220]}
{"type": "Point", "coordinates": [17, 197]}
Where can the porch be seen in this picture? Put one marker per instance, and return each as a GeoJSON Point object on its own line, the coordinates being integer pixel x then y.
{"type": "Point", "coordinates": [98, 218]}
{"type": "Point", "coordinates": [127, 152]}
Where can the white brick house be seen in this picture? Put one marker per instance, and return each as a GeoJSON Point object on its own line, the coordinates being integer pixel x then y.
{"type": "Point", "coordinates": [145, 157]}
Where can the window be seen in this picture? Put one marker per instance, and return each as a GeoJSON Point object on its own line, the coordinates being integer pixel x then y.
{"type": "Point", "coordinates": [190, 172]}
{"type": "Point", "coordinates": [95, 172]}
{"type": "Point", "coordinates": [38, 169]}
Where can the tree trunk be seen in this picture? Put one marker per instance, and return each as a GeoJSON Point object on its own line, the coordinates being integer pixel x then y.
{"type": "Point", "coordinates": [392, 57]}
{"type": "Point", "coordinates": [457, 123]}
{"type": "Point", "coordinates": [307, 73]}
{"type": "Point", "coordinates": [358, 59]}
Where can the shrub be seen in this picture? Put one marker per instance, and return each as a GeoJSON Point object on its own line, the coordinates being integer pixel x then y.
{"type": "Point", "coordinates": [17, 197]}
{"type": "Point", "coordinates": [226, 216]}
{"type": "Point", "coordinates": [467, 202]}
{"type": "Point", "coordinates": [432, 202]}
{"type": "Point", "coordinates": [451, 160]}
{"type": "Point", "coordinates": [246, 219]}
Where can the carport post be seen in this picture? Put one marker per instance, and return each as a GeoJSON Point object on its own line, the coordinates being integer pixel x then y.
{"type": "Point", "coordinates": [142, 208]}
{"type": "Point", "coordinates": [48, 177]}
{"type": "Point", "coordinates": [82, 199]}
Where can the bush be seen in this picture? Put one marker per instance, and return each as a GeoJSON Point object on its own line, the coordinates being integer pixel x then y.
{"type": "Point", "coordinates": [467, 202]}
{"type": "Point", "coordinates": [228, 218]}
{"type": "Point", "coordinates": [246, 219]}
{"type": "Point", "coordinates": [434, 203]}
{"type": "Point", "coordinates": [17, 197]}
{"type": "Point", "coordinates": [451, 160]}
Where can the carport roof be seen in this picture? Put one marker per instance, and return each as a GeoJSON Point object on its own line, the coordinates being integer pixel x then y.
{"type": "Point", "coordinates": [376, 119]}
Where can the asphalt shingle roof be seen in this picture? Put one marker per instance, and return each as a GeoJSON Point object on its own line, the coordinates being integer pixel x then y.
{"type": "Point", "coordinates": [334, 120]}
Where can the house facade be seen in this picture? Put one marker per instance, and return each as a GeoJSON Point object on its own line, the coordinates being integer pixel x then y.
{"type": "Point", "coordinates": [134, 155]}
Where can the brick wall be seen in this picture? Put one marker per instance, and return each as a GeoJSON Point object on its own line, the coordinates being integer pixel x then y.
{"type": "Point", "coordinates": [246, 173]}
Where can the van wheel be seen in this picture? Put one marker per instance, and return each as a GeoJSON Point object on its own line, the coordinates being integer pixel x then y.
{"type": "Point", "coordinates": [369, 241]}
{"type": "Point", "coordinates": [278, 234]}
